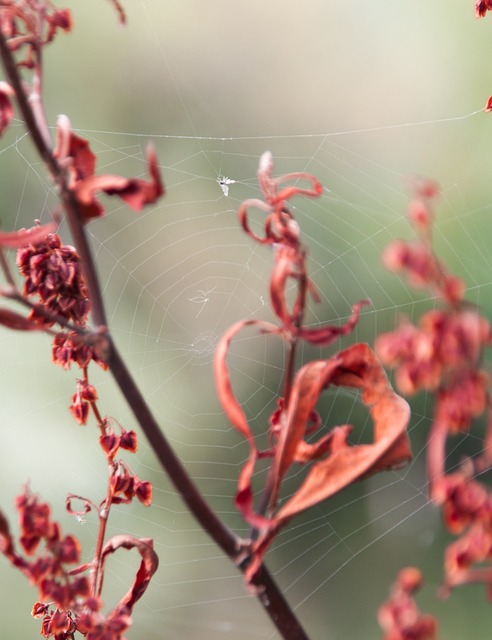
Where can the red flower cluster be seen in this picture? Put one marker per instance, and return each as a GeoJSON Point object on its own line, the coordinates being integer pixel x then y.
{"type": "Point", "coordinates": [67, 603]}
{"type": "Point", "coordinates": [441, 354]}
{"type": "Point", "coordinates": [55, 582]}
{"type": "Point", "coordinates": [400, 617]}
{"type": "Point", "coordinates": [334, 462]}
{"type": "Point", "coordinates": [85, 395]}
{"type": "Point", "coordinates": [52, 272]}
{"type": "Point", "coordinates": [467, 511]}
{"type": "Point", "coordinates": [81, 349]}
{"type": "Point", "coordinates": [481, 7]}
{"type": "Point", "coordinates": [444, 352]}
{"type": "Point", "coordinates": [125, 486]}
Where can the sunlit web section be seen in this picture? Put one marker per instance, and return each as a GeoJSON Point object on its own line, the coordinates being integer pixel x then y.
{"type": "Point", "coordinates": [174, 278]}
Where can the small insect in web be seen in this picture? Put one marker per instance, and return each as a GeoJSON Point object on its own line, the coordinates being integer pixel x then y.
{"type": "Point", "coordinates": [224, 182]}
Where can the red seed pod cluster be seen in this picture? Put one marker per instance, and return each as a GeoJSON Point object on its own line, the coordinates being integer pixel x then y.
{"type": "Point", "coordinates": [444, 353]}
{"type": "Point", "coordinates": [399, 616]}
{"type": "Point", "coordinates": [52, 272]}
{"type": "Point", "coordinates": [481, 7]}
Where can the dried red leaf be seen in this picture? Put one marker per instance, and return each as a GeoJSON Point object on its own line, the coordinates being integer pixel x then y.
{"type": "Point", "coordinates": [110, 443]}
{"type": "Point", "coordinates": [148, 566]}
{"type": "Point", "coordinates": [60, 622]}
{"type": "Point", "coordinates": [356, 367]}
{"type": "Point", "coordinates": [134, 191]}
{"type": "Point", "coordinates": [6, 108]}
{"type": "Point", "coordinates": [87, 505]}
{"type": "Point", "coordinates": [6, 542]}
{"type": "Point", "coordinates": [120, 10]}
{"type": "Point", "coordinates": [23, 237]}
{"type": "Point", "coordinates": [69, 550]}
{"type": "Point", "coordinates": [129, 441]}
{"type": "Point", "coordinates": [39, 609]}
{"type": "Point", "coordinates": [481, 7]}
{"type": "Point", "coordinates": [326, 335]}
{"type": "Point", "coordinates": [74, 152]}
{"type": "Point", "coordinates": [15, 321]}
{"type": "Point", "coordinates": [336, 463]}
{"type": "Point", "coordinates": [143, 491]}
{"type": "Point", "coordinates": [71, 146]}
{"type": "Point", "coordinates": [399, 616]}
{"type": "Point", "coordinates": [237, 417]}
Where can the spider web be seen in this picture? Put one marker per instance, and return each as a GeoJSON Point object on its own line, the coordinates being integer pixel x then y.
{"type": "Point", "coordinates": [359, 96]}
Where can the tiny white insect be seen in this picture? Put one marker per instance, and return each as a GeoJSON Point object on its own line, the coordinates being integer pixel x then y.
{"type": "Point", "coordinates": [224, 182]}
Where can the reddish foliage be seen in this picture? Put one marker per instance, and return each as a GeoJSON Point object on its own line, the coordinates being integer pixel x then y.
{"type": "Point", "coordinates": [52, 272]}
{"type": "Point", "coordinates": [6, 108]}
{"type": "Point", "coordinates": [23, 237]}
{"type": "Point", "coordinates": [72, 347]}
{"type": "Point", "coordinates": [13, 320]}
{"type": "Point", "coordinates": [74, 153]}
{"type": "Point", "coordinates": [334, 462]}
{"type": "Point", "coordinates": [66, 603]}
{"type": "Point", "coordinates": [481, 7]}
{"type": "Point", "coordinates": [400, 617]}
{"type": "Point", "coordinates": [444, 354]}
{"type": "Point", "coordinates": [29, 25]}
{"type": "Point", "coordinates": [120, 10]}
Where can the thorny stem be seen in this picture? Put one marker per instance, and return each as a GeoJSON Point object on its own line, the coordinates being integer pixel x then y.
{"type": "Point", "coordinates": [269, 593]}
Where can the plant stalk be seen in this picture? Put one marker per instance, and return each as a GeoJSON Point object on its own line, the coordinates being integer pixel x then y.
{"type": "Point", "coordinates": [268, 592]}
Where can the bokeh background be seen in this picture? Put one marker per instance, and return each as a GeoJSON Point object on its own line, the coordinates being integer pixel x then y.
{"type": "Point", "coordinates": [362, 95]}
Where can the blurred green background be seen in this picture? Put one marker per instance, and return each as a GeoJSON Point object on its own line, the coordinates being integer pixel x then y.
{"type": "Point", "coordinates": [361, 94]}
